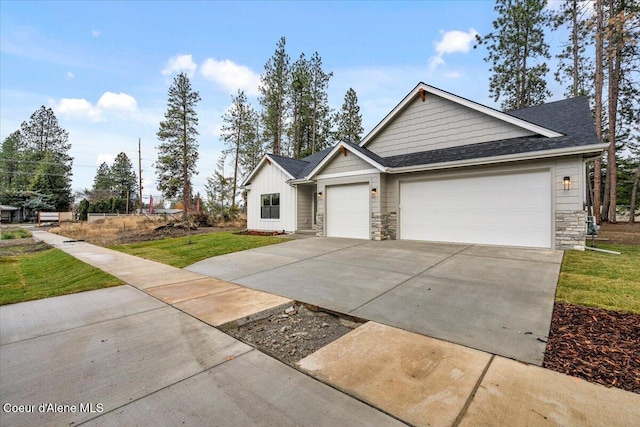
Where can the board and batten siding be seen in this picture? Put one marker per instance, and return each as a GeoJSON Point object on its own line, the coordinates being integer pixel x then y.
{"type": "Point", "coordinates": [270, 179]}
{"type": "Point", "coordinates": [439, 123]}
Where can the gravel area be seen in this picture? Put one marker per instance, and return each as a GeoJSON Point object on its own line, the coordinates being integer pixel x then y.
{"type": "Point", "coordinates": [597, 345]}
{"type": "Point", "coordinates": [294, 333]}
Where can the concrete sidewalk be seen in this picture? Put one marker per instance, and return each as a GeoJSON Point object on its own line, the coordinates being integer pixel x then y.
{"type": "Point", "coordinates": [149, 363]}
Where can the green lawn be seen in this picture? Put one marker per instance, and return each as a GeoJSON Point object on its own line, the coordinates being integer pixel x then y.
{"type": "Point", "coordinates": [602, 280]}
{"type": "Point", "coordinates": [177, 252]}
{"type": "Point", "coordinates": [15, 233]}
{"type": "Point", "coordinates": [47, 273]}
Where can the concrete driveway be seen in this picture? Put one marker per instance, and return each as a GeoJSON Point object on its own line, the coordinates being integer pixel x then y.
{"type": "Point", "coordinates": [493, 299]}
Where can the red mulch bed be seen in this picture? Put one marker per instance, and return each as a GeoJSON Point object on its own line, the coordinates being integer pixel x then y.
{"type": "Point", "coordinates": [597, 345]}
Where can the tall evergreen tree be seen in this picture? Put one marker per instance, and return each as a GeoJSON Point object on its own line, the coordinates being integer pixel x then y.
{"type": "Point", "coordinates": [50, 179]}
{"type": "Point", "coordinates": [44, 141]}
{"type": "Point", "coordinates": [219, 193]}
{"type": "Point", "coordinates": [178, 150]}
{"type": "Point", "coordinates": [320, 111]}
{"type": "Point", "coordinates": [300, 129]}
{"type": "Point", "coordinates": [349, 119]}
{"type": "Point", "coordinates": [252, 152]}
{"type": "Point", "coordinates": [102, 183]}
{"type": "Point", "coordinates": [12, 166]}
{"type": "Point", "coordinates": [238, 131]}
{"type": "Point", "coordinates": [575, 68]}
{"type": "Point", "coordinates": [124, 178]}
{"type": "Point", "coordinates": [517, 51]}
{"type": "Point", "coordinates": [274, 90]}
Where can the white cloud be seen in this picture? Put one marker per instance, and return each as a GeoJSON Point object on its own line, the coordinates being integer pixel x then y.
{"type": "Point", "coordinates": [105, 157]}
{"type": "Point", "coordinates": [179, 63]}
{"type": "Point", "coordinates": [231, 76]}
{"type": "Point", "coordinates": [118, 101]}
{"type": "Point", "coordinates": [109, 101]}
{"type": "Point", "coordinates": [78, 107]}
{"type": "Point", "coordinates": [455, 41]}
{"type": "Point", "coordinates": [452, 42]}
{"type": "Point", "coordinates": [95, 33]}
{"type": "Point", "coordinates": [70, 75]}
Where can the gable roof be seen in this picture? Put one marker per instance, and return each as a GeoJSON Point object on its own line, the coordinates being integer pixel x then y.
{"type": "Point", "coordinates": [514, 120]}
{"type": "Point", "coordinates": [293, 168]}
{"type": "Point", "coordinates": [366, 155]}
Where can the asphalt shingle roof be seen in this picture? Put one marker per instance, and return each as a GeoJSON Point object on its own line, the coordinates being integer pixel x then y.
{"type": "Point", "coordinates": [571, 117]}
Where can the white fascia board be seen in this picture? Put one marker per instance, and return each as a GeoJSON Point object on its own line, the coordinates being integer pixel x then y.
{"type": "Point", "coordinates": [533, 155]}
{"type": "Point", "coordinates": [458, 100]}
{"type": "Point", "coordinates": [264, 159]}
{"type": "Point", "coordinates": [345, 174]}
{"type": "Point", "coordinates": [335, 149]}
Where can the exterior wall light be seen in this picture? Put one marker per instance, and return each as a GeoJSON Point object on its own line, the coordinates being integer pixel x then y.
{"type": "Point", "coordinates": [566, 182]}
{"type": "Point", "coordinates": [374, 191]}
{"type": "Point", "coordinates": [320, 194]}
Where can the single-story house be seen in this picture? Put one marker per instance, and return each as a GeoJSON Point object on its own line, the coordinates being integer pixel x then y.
{"type": "Point", "coordinates": [440, 167]}
{"type": "Point", "coordinates": [9, 214]}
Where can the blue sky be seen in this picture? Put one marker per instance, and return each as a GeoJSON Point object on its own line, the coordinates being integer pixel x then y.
{"type": "Point", "coordinates": [105, 67]}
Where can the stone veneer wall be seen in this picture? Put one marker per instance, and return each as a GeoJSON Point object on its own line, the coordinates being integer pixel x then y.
{"type": "Point", "coordinates": [379, 226]}
{"type": "Point", "coordinates": [319, 224]}
{"type": "Point", "coordinates": [393, 226]}
{"type": "Point", "coordinates": [571, 229]}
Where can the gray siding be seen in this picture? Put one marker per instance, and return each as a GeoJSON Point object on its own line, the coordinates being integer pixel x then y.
{"type": "Point", "coordinates": [439, 123]}
{"type": "Point", "coordinates": [341, 164]}
{"type": "Point", "coordinates": [305, 207]}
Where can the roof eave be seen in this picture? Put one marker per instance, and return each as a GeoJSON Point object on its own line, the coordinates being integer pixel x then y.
{"type": "Point", "coordinates": [328, 157]}
{"type": "Point", "coordinates": [531, 155]}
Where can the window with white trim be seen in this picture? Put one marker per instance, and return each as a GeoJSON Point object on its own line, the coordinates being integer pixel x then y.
{"type": "Point", "coordinates": [270, 206]}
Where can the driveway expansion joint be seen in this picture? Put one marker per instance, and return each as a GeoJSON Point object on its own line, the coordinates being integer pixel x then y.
{"type": "Point", "coordinates": [410, 278]}
{"type": "Point", "coordinates": [463, 411]}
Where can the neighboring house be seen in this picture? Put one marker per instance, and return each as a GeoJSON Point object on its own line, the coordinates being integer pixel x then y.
{"type": "Point", "coordinates": [440, 168]}
{"type": "Point", "coordinates": [9, 214]}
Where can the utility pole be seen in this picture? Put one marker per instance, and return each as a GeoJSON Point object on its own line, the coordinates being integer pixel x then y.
{"type": "Point", "coordinates": [140, 174]}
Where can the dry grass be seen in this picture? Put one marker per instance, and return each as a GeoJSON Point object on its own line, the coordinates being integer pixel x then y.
{"type": "Point", "coordinates": [122, 230]}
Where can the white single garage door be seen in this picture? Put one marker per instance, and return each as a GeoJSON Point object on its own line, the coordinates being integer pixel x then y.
{"type": "Point", "coordinates": [348, 211]}
{"type": "Point", "coordinates": [507, 209]}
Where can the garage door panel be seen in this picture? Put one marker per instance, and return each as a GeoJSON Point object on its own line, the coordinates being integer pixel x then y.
{"type": "Point", "coordinates": [512, 210]}
{"type": "Point", "coordinates": [348, 211]}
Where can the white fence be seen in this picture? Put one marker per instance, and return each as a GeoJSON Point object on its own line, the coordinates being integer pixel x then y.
{"type": "Point", "coordinates": [54, 217]}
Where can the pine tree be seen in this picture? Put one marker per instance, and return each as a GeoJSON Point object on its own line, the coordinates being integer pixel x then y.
{"type": "Point", "coordinates": [178, 151]}
{"type": "Point", "coordinates": [574, 67]}
{"type": "Point", "coordinates": [46, 147]}
{"type": "Point", "coordinates": [349, 119]}
{"type": "Point", "coordinates": [300, 129]}
{"type": "Point", "coordinates": [124, 178]}
{"type": "Point", "coordinates": [102, 183]}
{"type": "Point", "coordinates": [274, 88]}
{"type": "Point", "coordinates": [320, 111]}
{"type": "Point", "coordinates": [252, 152]}
{"type": "Point", "coordinates": [238, 131]}
{"type": "Point", "coordinates": [12, 173]}
{"type": "Point", "coordinates": [219, 190]}
{"type": "Point", "coordinates": [50, 179]}
{"type": "Point", "coordinates": [517, 51]}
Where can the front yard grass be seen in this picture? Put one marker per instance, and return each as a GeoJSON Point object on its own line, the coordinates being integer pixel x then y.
{"type": "Point", "coordinates": [47, 273]}
{"type": "Point", "coordinates": [178, 252]}
{"type": "Point", "coordinates": [602, 280]}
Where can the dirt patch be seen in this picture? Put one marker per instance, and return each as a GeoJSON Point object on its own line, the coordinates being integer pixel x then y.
{"type": "Point", "coordinates": [260, 233]}
{"type": "Point", "coordinates": [597, 345]}
{"type": "Point", "coordinates": [122, 230]}
{"type": "Point", "coordinates": [618, 234]}
{"type": "Point", "coordinates": [294, 333]}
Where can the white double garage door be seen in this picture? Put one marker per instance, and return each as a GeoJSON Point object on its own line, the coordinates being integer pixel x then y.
{"type": "Point", "coordinates": [507, 209]}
